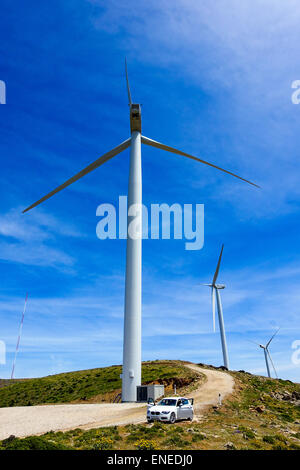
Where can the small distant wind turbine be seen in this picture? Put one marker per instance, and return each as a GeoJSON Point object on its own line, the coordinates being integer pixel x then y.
{"type": "Point", "coordinates": [267, 353]}
{"type": "Point", "coordinates": [131, 372]}
{"type": "Point", "coordinates": [19, 338]}
{"type": "Point", "coordinates": [215, 292]}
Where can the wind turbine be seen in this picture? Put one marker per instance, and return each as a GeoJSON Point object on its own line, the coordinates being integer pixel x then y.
{"type": "Point", "coordinates": [215, 293]}
{"type": "Point", "coordinates": [131, 372]}
{"type": "Point", "coordinates": [19, 338]}
{"type": "Point", "coordinates": [267, 353]}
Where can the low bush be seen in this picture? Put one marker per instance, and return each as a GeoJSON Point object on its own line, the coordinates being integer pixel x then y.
{"type": "Point", "coordinates": [247, 433]}
{"type": "Point", "coordinates": [198, 437]}
{"type": "Point", "coordinates": [175, 441]}
{"type": "Point", "coordinates": [144, 444]}
{"type": "Point", "coordinates": [32, 443]}
{"type": "Point", "coordinates": [104, 443]}
{"type": "Point", "coordinates": [141, 431]}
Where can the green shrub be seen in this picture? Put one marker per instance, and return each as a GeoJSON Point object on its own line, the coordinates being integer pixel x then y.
{"type": "Point", "coordinates": [269, 439]}
{"type": "Point", "coordinates": [177, 429]}
{"type": "Point", "coordinates": [175, 441]}
{"type": "Point", "coordinates": [104, 443]}
{"type": "Point", "coordinates": [142, 431]}
{"type": "Point", "coordinates": [286, 417]}
{"type": "Point", "coordinates": [255, 444]}
{"type": "Point", "coordinates": [294, 446]}
{"type": "Point", "coordinates": [277, 439]}
{"type": "Point", "coordinates": [32, 443]}
{"type": "Point", "coordinates": [247, 433]}
{"type": "Point", "coordinates": [144, 444]}
{"type": "Point", "coordinates": [280, 437]}
{"type": "Point", "coordinates": [198, 437]}
{"type": "Point", "coordinates": [280, 447]}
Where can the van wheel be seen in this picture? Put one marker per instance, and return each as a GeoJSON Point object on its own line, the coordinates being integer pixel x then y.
{"type": "Point", "coordinates": [172, 418]}
{"type": "Point", "coordinates": [190, 418]}
{"type": "Point", "coordinates": [149, 420]}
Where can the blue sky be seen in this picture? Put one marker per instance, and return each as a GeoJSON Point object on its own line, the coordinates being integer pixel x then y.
{"type": "Point", "coordinates": [214, 79]}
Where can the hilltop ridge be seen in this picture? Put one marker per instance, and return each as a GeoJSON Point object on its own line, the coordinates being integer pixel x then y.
{"type": "Point", "coordinates": [92, 385]}
{"type": "Point", "coordinates": [260, 413]}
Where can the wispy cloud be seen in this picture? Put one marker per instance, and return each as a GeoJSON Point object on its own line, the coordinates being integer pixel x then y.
{"type": "Point", "coordinates": [173, 311]}
{"type": "Point", "coordinates": [242, 56]}
{"type": "Point", "coordinates": [29, 239]}
{"type": "Point", "coordinates": [38, 225]}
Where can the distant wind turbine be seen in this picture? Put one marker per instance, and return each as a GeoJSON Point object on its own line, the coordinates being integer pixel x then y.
{"type": "Point", "coordinates": [19, 338]}
{"type": "Point", "coordinates": [267, 354]}
{"type": "Point", "coordinates": [215, 292]}
{"type": "Point", "coordinates": [131, 372]}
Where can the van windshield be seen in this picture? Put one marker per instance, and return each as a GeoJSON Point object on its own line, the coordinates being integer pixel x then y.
{"type": "Point", "coordinates": [167, 402]}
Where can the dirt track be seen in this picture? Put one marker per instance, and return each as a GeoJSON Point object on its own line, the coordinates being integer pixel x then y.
{"type": "Point", "coordinates": [208, 393]}
{"type": "Point", "coordinates": [27, 420]}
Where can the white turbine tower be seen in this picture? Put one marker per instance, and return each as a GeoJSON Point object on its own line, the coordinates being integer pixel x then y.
{"type": "Point", "coordinates": [215, 293]}
{"type": "Point", "coordinates": [131, 373]}
{"type": "Point", "coordinates": [267, 354]}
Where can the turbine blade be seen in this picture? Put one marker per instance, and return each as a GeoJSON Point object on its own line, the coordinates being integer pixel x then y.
{"type": "Point", "coordinates": [272, 338]}
{"type": "Point", "coordinates": [218, 267]}
{"type": "Point", "coordinates": [154, 143]}
{"type": "Point", "coordinates": [272, 363]}
{"type": "Point", "coordinates": [250, 341]}
{"type": "Point", "coordinates": [127, 81]}
{"type": "Point", "coordinates": [213, 299]}
{"type": "Point", "coordinates": [107, 156]}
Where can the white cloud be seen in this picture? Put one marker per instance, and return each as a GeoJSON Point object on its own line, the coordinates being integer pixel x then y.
{"type": "Point", "coordinates": [242, 54]}
{"type": "Point", "coordinates": [88, 325]}
{"type": "Point", "coordinates": [27, 238]}
{"type": "Point", "coordinates": [36, 225]}
{"type": "Point", "coordinates": [35, 255]}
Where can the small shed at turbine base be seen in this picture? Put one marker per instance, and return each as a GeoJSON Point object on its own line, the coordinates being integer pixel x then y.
{"type": "Point", "coordinates": [145, 392]}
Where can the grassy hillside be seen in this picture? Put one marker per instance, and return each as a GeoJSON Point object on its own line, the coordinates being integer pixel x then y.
{"type": "Point", "coordinates": [261, 414]}
{"type": "Point", "coordinates": [90, 386]}
{"type": "Point", "coordinates": [276, 400]}
{"type": "Point", "coordinates": [7, 382]}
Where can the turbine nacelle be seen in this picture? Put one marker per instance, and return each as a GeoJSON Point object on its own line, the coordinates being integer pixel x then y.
{"type": "Point", "coordinates": [216, 286]}
{"type": "Point", "coordinates": [135, 117]}
{"type": "Point", "coordinates": [219, 286]}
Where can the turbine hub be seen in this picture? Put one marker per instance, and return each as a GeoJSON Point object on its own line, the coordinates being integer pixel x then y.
{"type": "Point", "coordinates": [135, 118]}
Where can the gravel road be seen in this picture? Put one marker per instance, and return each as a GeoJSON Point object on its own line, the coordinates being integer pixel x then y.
{"type": "Point", "coordinates": [24, 421]}
{"type": "Point", "coordinates": [208, 393]}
